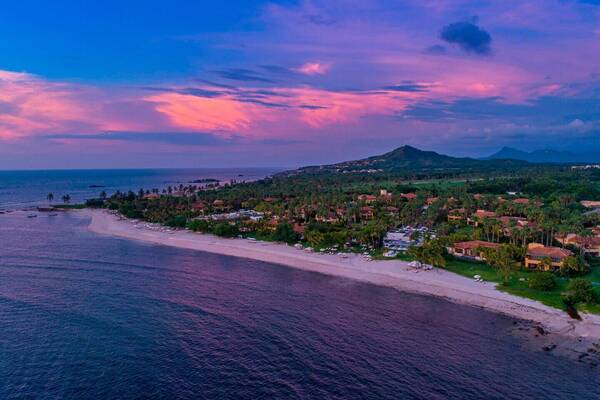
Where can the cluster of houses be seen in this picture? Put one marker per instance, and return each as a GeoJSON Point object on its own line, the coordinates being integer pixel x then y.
{"type": "Point", "coordinates": [538, 256]}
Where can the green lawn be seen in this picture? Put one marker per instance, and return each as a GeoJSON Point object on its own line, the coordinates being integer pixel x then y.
{"type": "Point", "coordinates": [515, 285]}
{"type": "Point", "coordinates": [518, 285]}
{"type": "Point", "coordinates": [594, 275]}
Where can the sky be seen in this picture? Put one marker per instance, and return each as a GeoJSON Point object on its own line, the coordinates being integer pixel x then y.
{"type": "Point", "coordinates": [242, 83]}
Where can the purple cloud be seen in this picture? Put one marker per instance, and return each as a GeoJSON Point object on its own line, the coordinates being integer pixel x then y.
{"type": "Point", "coordinates": [468, 36]}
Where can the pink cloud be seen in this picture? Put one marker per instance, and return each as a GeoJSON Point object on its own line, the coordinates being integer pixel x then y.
{"type": "Point", "coordinates": [36, 106]}
{"type": "Point", "coordinates": [313, 68]}
{"type": "Point", "coordinates": [378, 55]}
{"type": "Point", "coordinates": [203, 114]}
{"type": "Point", "coordinates": [300, 107]}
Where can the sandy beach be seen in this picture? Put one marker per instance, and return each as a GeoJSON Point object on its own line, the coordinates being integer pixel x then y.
{"type": "Point", "coordinates": [395, 274]}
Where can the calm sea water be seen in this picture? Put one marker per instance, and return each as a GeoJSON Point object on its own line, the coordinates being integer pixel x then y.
{"type": "Point", "coordinates": [84, 316]}
{"type": "Point", "coordinates": [20, 189]}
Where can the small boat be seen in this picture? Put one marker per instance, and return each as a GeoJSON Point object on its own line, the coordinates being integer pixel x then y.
{"type": "Point", "coordinates": [32, 216]}
{"type": "Point", "coordinates": [52, 215]}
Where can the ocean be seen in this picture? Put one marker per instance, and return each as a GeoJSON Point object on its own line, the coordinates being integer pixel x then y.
{"type": "Point", "coordinates": [22, 189]}
{"type": "Point", "coordinates": [84, 316]}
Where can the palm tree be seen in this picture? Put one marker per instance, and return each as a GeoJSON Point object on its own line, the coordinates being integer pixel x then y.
{"type": "Point", "coordinates": [66, 199]}
{"type": "Point", "coordinates": [103, 195]}
{"type": "Point", "coordinates": [546, 263]}
{"type": "Point", "coordinates": [50, 197]}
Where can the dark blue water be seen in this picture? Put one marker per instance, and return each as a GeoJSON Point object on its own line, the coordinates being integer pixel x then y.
{"type": "Point", "coordinates": [20, 189]}
{"type": "Point", "coordinates": [91, 317]}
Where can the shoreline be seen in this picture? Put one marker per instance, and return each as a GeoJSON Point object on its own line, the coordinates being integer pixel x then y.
{"type": "Point", "coordinates": [393, 273]}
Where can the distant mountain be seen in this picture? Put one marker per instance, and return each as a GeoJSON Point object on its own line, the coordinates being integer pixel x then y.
{"type": "Point", "coordinates": [407, 158]}
{"type": "Point", "coordinates": [543, 156]}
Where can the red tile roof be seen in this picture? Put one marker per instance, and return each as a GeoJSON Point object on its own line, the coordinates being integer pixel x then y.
{"type": "Point", "coordinates": [521, 200]}
{"type": "Point", "coordinates": [552, 252]}
{"type": "Point", "coordinates": [473, 244]}
{"type": "Point", "coordinates": [199, 205]}
{"type": "Point", "coordinates": [431, 200]}
{"type": "Point", "coordinates": [367, 197]}
{"type": "Point", "coordinates": [457, 211]}
{"type": "Point", "coordinates": [484, 214]}
{"type": "Point", "coordinates": [581, 241]}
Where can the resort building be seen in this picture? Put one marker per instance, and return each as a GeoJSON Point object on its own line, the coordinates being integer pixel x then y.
{"type": "Point", "coordinates": [385, 195]}
{"type": "Point", "coordinates": [478, 216]}
{"type": "Point", "coordinates": [458, 214]}
{"type": "Point", "coordinates": [366, 212]}
{"type": "Point", "coordinates": [219, 205]}
{"type": "Point", "coordinates": [392, 210]}
{"type": "Point", "coordinates": [409, 196]}
{"type": "Point", "coordinates": [472, 249]}
{"type": "Point", "coordinates": [510, 224]}
{"type": "Point", "coordinates": [589, 245]}
{"type": "Point", "coordinates": [299, 229]}
{"type": "Point", "coordinates": [199, 206]}
{"type": "Point", "coordinates": [330, 218]}
{"type": "Point", "coordinates": [545, 258]}
{"type": "Point", "coordinates": [590, 203]}
{"type": "Point", "coordinates": [367, 198]}
{"type": "Point", "coordinates": [521, 200]}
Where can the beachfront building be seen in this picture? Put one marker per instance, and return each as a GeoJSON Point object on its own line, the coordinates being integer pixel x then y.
{"type": "Point", "coordinates": [472, 249]}
{"type": "Point", "coordinates": [299, 229]}
{"type": "Point", "coordinates": [589, 245]}
{"type": "Point", "coordinates": [545, 258]}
